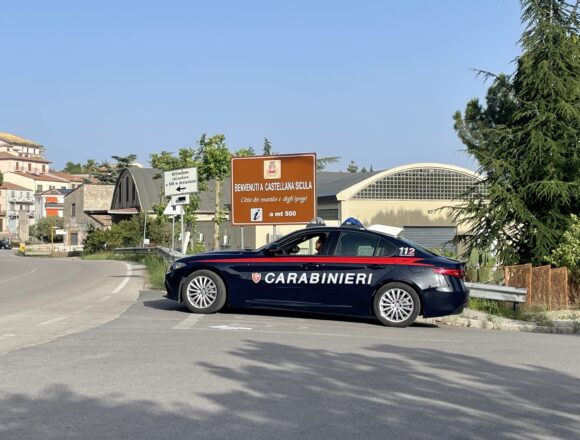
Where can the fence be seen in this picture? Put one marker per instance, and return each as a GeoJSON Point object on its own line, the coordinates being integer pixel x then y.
{"type": "Point", "coordinates": [547, 287]}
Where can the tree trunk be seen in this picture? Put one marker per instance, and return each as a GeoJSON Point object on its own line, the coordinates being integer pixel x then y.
{"type": "Point", "coordinates": [216, 215]}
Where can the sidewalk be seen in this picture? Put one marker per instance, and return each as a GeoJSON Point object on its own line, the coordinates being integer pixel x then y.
{"type": "Point", "coordinates": [562, 322]}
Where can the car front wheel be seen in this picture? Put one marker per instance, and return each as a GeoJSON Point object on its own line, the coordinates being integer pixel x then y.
{"type": "Point", "coordinates": [396, 305]}
{"type": "Point", "coordinates": [204, 292]}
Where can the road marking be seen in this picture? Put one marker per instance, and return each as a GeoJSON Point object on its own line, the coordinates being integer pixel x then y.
{"type": "Point", "coordinates": [8, 335]}
{"type": "Point", "coordinates": [53, 320]}
{"type": "Point", "coordinates": [125, 281]}
{"type": "Point", "coordinates": [342, 335]}
{"type": "Point", "coordinates": [18, 276]}
{"type": "Point", "coordinates": [104, 298]}
{"type": "Point", "coordinates": [188, 322]}
{"type": "Point", "coordinates": [229, 327]}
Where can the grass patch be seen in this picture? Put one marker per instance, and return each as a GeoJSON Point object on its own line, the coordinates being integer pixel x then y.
{"type": "Point", "coordinates": [154, 264]}
{"type": "Point", "coordinates": [504, 310]}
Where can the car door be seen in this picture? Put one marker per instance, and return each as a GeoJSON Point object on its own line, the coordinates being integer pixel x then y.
{"type": "Point", "coordinates": [358, 262]}
{"type": "Point", "coordinates": [284, 279]}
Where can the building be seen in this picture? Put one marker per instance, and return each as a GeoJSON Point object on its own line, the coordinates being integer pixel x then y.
{"type": "Point", "coordinates": [136, 190]}
{"type": "Point", "coordinates": [84, 208]}
{"type": "Point", "coordinates": [15, 202]}
{"type": "Point", "coordinates": [412, 197]}
{"type": "Point", "coordinates": [37, 182]}
{"type": "Point", "coordinates": [50, 203]}
{"type": "Point", "coordinates": [19, 154]}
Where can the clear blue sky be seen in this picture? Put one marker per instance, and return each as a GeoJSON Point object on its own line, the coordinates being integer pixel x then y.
{"type": "Point", "coordinates": [372, 81]}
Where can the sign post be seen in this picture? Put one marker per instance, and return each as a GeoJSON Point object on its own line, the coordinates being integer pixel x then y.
{"type": "Point", "coordinates": [273, 190]}
{"type": "Point", "coordinates": [179, 184]}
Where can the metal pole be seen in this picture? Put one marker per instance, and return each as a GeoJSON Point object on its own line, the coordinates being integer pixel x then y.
{"type": "Point", "coordinates": [183, 248]}
{"type": "Point", "coordinates": [242, 236]}
{"type": "Point", "coordinates": [172, 233]}
{"type": "Point", "coordinates": [144, 228]}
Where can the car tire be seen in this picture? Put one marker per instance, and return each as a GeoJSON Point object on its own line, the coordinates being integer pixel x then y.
{"type": "Point", "coordinates": [396, 305]}
{"type": "Point", "coordinates": [203, 291]}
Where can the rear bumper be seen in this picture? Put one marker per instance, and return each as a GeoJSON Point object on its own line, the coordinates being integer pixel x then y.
{"type": "Point", "coordinates": [443, 303]}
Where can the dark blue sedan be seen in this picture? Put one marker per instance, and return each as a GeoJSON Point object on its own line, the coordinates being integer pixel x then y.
{"type": "Point", "coordinates": [346, 270]}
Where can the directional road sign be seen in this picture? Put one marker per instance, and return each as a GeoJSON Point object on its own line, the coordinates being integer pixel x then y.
{"type": "Point", "coordinates": [182, 181]}
{"type": "Point", "coordinates": [173, 210]}
{"type": "Point", "coordinates": [179, 200]}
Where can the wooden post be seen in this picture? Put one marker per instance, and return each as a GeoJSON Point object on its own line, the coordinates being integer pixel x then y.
{"type": "Point", "coordinates": [529, 295]}
{"type": "Point", "coordinates": [550, 288]}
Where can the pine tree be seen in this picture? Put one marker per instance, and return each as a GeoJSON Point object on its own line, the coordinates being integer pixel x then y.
{"type": "Point", "coordinates": [526, 140]}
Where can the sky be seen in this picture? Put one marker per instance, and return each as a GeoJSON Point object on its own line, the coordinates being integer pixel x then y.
{"type": "Point", "coordinates": [376, 82]}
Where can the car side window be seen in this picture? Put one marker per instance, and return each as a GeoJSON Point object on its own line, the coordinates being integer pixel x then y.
{"type": "Point", "coordinates": [305, 245]}
{"type": "Point", "coordinates": [385, 249]}
{"type": "Point", "coordinates": [356, 244]}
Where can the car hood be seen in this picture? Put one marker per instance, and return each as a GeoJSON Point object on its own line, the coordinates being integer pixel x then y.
{"type": "Point", "coordinates": [218, 255]}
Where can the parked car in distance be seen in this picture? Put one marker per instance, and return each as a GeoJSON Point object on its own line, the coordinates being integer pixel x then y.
{"type": "Point", "coordinates": [346, 270]}
{"type": "Point", "coordinates": [5, 244]}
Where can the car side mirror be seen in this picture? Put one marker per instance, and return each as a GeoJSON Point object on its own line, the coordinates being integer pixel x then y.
{"type": "Point", "coordinates": [272, 248]}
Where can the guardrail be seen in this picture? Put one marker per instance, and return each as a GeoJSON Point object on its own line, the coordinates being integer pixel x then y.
{"type": "Point", "coordinates": [164, 252]}
{"type": "Point", "coordinates": [499, 293]}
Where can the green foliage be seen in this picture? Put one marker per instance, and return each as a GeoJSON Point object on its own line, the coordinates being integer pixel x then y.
{"type": "Point", "coordinates": [323, 162]}
{"type": "Point", "coordinates": [267, 150]}
{"type": "Point", "coordinates": [45, 227]}
{"type": "Point", "coordinates": [567, 253]}
{"type": "Point", "coordinates": [526, 141]}
{"type": "Point", "coordinates": [1, 178]}
{"type": "Point", "coordinates": [127, 233]}
{"type": "Point", "coordinates": [245, 152]}
{"type": "Point", "coordinates": [73, 168]}
{"type": "Point", "coordinates": [352, 167]}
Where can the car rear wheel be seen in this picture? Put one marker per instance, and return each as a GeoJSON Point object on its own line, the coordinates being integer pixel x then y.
{"type": "Point", "coordinates": [204, 292]}
{"type": "Point", "coordinates": [396, 305]}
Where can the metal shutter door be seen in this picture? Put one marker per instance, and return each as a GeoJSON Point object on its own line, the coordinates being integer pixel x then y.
{"type": "Point", "coordinates": [431, 237]}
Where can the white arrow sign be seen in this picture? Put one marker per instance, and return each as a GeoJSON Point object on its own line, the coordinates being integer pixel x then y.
{"type": "Point", "coordinates": [173, 210]}
{"type": "Point", "coordinates": [182, 181]}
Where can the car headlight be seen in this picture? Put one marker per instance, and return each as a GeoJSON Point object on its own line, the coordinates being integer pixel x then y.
{"type": "Point", "coordinates": [175, 265]}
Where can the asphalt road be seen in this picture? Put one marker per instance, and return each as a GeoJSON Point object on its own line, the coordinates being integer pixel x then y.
{"type": "Point", "coordinates": [150, 370]}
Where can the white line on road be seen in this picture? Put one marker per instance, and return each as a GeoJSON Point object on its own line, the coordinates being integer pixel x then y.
{"type": "Point", "coordinates": [104, 298]}
{"type": "Point", "coordinates": [188, 322]}
{"type": "Point", "coordinates": [52, 321]}
{"type": "Point", "coordinates": [125, 281]}
{"type": "Point", "coordinates": [8, 335]}
{"type": "Point", "coordinates": [339, 335]}
{"type": "Point", "coordinates": [18, 276]}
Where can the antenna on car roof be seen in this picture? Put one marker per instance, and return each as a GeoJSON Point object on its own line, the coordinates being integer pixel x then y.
{"type": "Point", "coordinates": [352, 222]}
{"type": "Point", "coordinates": [316, 221]}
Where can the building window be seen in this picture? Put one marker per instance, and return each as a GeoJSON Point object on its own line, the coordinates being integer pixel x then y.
{"type": "Point", "coordinates": [38, 187]}
{"type": "Point", "coordinates": [29, 167]}
{"type": "Point", "coordinates": [421, 184]}
{"type": "Point", "coordinates": [44, 168]}
{"type": "Point", "coordinates": [73, 210]}
{"type": "Point", "coordinates": [17, 166]}
{"type": "Point", "coordinates": [127, 189]}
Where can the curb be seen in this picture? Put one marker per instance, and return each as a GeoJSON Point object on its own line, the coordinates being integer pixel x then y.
{"type": "Point", "coordinates": [482, 320]}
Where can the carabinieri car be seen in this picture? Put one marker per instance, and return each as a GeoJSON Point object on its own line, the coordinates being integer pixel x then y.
{"type": "Point", "coordinates": [355, 272]}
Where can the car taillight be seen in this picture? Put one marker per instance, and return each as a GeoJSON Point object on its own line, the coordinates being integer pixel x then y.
{"type": "Point", "coordinates": [458, 273]}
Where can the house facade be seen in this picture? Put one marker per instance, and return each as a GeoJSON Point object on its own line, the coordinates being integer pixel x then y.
{"type": "Point", "coordinates": [50, 203]}
{"type": "Point", "coordinates": [15, 202]}
{"type": "Point", "coordinates": [19, 154]}
{"type": "Point", "coordinates": [85, 207]}
{"type": "Point", "coordinates": [37, 182]}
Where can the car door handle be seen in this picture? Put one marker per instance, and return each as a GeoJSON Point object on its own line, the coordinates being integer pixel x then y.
{"type": "Point", "coordinates": [375, 266]}
{"type": "Point", "coordinates": [310, 265]}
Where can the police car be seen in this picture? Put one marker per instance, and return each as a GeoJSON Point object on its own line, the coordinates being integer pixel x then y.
{"type": "Point", "coordinates": [355, 271]}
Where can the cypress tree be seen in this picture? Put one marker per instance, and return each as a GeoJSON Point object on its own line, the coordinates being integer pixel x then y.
{"type": "Point", "coordinates": [527, 141]}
